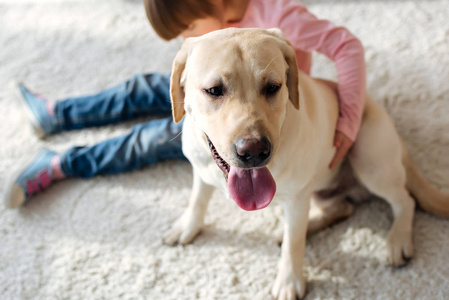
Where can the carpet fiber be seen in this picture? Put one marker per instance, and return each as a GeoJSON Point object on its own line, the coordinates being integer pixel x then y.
{"type": "Point", "coordinates": [101, 238]}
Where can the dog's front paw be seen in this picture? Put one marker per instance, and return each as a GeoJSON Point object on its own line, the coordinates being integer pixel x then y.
{"type": "Point", "coordinates": [184, 230]}
{"type": "Point", "coordinates": [400, 247]}
{"type": "Point", "coordinates": [288, 286]}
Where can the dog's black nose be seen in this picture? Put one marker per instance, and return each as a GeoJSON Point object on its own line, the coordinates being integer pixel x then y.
{"type": "Point", "coordinates": [253, 151]}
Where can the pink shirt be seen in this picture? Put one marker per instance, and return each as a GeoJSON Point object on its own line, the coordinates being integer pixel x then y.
{"type": "Point", "coordinates": [306, 34]}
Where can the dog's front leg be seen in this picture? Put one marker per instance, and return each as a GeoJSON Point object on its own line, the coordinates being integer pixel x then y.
{"type": "Point", "coordinates": [187, 227]}
{"type": "Point", "coordinates": [290, 282]}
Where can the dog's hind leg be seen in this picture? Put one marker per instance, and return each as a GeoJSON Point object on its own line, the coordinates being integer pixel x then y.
{"type": "Point", "coordinates": [189, 225]}
{"type": "Point", "coordinates": [326, 212]}
{"type": "Point", "coordinates": [330, 205]}
{"type": "Point", "coordinates": [376, 159]}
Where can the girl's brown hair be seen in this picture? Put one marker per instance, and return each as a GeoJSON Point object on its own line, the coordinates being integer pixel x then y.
{"type": "Point", "coordinates": [170, 18]}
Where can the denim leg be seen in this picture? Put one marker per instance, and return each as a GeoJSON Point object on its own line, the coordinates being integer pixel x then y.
{"type": "Point", "coordinates": [146, 144]}
{"type": "Point", "coordinates": [140, 95]}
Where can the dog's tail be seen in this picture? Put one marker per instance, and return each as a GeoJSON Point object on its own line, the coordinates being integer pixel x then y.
{"type": "Point", "coordinates": [428, 197]}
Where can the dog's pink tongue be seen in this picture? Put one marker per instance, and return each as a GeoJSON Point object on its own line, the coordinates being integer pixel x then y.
{"type": "Point", "coordinates": [251, 189]}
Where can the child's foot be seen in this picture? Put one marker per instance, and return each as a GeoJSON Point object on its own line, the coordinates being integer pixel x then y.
{"type": "Point", "coordinates": [32, 178]}
{"type": "Point", "coordinates": [39, 111]}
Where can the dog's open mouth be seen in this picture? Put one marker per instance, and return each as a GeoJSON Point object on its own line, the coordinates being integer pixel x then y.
{"type": "Point", "coordinates": [251, 189]}
{"type": "Point", "coordinates": [221, 163]}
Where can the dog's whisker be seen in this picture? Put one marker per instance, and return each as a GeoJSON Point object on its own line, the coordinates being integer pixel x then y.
{"type": "Point", "coordinates": [175, 137]}
{"type": "Point", "coordinates": [269, 64]}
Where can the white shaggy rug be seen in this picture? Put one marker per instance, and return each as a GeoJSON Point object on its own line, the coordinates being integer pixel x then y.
{"type": "Point", "coordinates": [101, 238]}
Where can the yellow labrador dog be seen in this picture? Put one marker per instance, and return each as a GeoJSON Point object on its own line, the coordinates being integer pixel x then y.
{"type": "Point", "coordinates": [257, 128]}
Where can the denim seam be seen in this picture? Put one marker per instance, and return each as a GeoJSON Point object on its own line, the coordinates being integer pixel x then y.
{"type": "Point", "coordinates": [64, 166]}
{"type": "Point", "coordinates": [79, 120]}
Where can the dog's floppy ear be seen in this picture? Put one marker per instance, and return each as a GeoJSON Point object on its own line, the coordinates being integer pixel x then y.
{"type": "Point", "coordinates": [177, 94]}
{"type": "Point", "coordinates": [292, 72]}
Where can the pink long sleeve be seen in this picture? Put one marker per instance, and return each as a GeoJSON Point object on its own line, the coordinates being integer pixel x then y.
{"type": "Point", "coordinates": [307, 34]}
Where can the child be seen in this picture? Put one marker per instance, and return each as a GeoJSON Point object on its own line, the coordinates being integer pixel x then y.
{"type": "Point", "coordinates": [149, 94]}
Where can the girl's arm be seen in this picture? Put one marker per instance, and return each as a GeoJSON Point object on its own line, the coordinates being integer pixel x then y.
{"type": "Point", "coordinates": [308, 34]}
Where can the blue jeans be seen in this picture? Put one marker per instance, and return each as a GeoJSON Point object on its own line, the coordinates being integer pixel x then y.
{"type": "Point", "coordinates": [146, 144]}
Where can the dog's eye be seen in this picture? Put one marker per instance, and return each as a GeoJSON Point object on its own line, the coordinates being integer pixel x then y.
{"type": "Point", "coordinates": [271, 89]}
{"type": "Point", "coordinates": [215, 91]}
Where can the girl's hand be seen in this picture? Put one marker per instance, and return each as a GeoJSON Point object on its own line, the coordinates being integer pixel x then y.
{"type": "Point", "coordinates": [343, 144]}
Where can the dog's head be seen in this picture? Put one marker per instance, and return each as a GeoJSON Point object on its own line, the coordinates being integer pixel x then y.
{"type": "Point", "coordinates": [236, 85]}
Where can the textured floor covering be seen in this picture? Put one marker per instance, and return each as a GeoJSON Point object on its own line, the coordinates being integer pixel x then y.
{"type": "Point", "coordinates": [101, 238]}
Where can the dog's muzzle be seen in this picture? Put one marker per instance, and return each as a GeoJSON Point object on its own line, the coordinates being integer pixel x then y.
{"type": "Point", "coordinates": [251, 187]}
